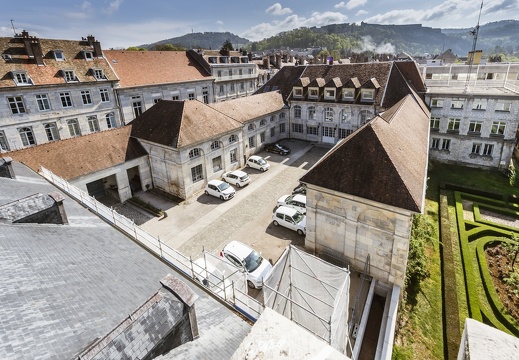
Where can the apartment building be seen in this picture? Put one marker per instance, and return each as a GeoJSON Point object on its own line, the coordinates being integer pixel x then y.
{"type": "Point", "coordinates": [53, 89]}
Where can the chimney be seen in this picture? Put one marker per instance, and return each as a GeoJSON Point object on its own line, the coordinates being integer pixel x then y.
{"type": "Point", "coordinates": [6, 168]}
{"type": "Point", "coordinates": [58, 198]}
{"type": "Point", "coordinates": [97, 49]}
{"type": "Point", "coordinates": [36, 51]}
{"type": "Point", "coordinates": [90, 40]}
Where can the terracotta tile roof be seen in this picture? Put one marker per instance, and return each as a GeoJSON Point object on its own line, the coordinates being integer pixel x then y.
{"type": "Point", "coordinates": [251, 107]}
{"type": "Point", "coordinates": [50, 73]}
{"type": "Point", "coordinates": [384, 161]}
{"type": "Point", "coordinates": [137, 68]}
{"type": "Point", "coordinates": [82, 155]}
{"type": "Point", "coordinates": [182, 123]}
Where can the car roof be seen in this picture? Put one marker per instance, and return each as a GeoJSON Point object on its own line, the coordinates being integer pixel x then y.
{"type": "Point", "coordinates": [215, 182]}
{"type": "Point", "coordinates": [238, 248]}
{"type": "Point", "coordinates": [286, 210]}
{"type": "Point", "coordinates": [300, 198]}
{"type": "Point", "coordinates": [255, 157]}
{"type": "Point", "coordinates": [237, 172]}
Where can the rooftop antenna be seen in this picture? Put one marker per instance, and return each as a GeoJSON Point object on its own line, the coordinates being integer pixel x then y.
{"type": "Point", "coordinates": [12, 26]}
{"type": "Point", "coordinates": [474, 32]}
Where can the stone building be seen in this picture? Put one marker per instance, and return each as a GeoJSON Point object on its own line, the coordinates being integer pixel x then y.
{"type": "Point", "coordinates": [53, 89]}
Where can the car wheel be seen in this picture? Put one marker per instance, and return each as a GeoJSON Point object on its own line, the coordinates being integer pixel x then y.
{"type": "Point", "coordinates": [275, 223]}
{"type": "Point", "coordinates": [238, 185]}
{"type": "Point", "coordinates": [300, 232]}
{"type": "Point", "coordinates": [221, 197]}
{"type": "Point", "coordinates": [247, 165]}
{"type": "Point", "coordinates": [262, 169]}
{"type": "Point", "coordinates": [206, 192]}
{"type": "Point", "coordinates": [250, 284]}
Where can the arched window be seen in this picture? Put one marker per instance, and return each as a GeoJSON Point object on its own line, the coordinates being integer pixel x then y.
{"type": "Point", "coordinates": [250, 127]}
{"type": "Point", "coordinates": [215, 145]}
{"type": "Point", "coordinates": [194, 153]}
{"type": "Point", "coordinates": [110, 120]}
{"type": "Point", "coordinates": [93, 123]}
{"type": "Point", "coordinates": [272, 118]}
{"type": "Point", "coordinates": [297, 112]}
{"type": "Point", "coordinates": [52, 131]}
{"type": "Point", "coordinates": [263, 122]}
{"type": "Point", "coordinates": [311, 113]}
{"type": "Point", "coordinates": [233, 138]}
{"type": "Point", "coordinates": [27, 136]}
{"type": "Point", "coordinates": [73, 127]}
{"type": "Point", "coordinates": [364, 117]}
{"type": "Point", "coordinates": [328, 114]}
{"type": "Point", "coordinates": [282, 115]}
{"type": "Point", "coordinates": [345, 115]}
{"type": "Point", "coordinates": [4, 146]}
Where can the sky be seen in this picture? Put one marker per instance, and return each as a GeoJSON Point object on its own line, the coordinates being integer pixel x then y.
{"type": "Point", "coordinates": [123, 23]}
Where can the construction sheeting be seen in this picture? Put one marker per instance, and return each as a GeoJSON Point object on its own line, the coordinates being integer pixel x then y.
{"type": "Point", "coordinates": [311, 293]}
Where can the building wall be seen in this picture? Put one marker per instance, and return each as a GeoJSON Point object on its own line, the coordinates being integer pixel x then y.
{"type": "Point", "coordinates": [345, 226]}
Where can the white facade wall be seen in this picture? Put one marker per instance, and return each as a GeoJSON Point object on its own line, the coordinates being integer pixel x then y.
{"type": "Point", "coordinates": [268, 129]}
{"type": "Point", "coordinates": [233, 81]}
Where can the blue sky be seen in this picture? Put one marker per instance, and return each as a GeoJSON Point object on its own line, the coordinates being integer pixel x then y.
{"type": "Point", "coordinates": [123, 23]}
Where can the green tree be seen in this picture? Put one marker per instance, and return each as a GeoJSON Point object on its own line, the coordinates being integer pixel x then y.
{"type": "Point", "coordinates": [135, 48]}
{"type": "Point", "coordinates": [168, 47]}
{"type": "Point", "coordinates": [227, 45]}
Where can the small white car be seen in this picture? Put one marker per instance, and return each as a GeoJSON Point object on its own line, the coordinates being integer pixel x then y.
{"type": "Point", "coordinates": [237, 178]}
{"type": "Point", "coordinates": [290, 218]}
{"type": "Point", "coordinates": [247, 260]}
{"type": "Point", "coordinates": [257, 162]}
{"type": "Point", "coordinates": [295, 201]}
{"type": "Point", "coordinates": [220, 189]}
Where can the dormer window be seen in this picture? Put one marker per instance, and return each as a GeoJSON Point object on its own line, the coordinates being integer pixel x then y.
{"type": "Point", "coordinates": [58, 55]}
{"type": "Point", "coordinates": [367, 94]}
{"type": "Point", "coordinates": [329, 93]}
{"type": "Point", "coordinates": [348, 94]}
{"type": "Point", "coordinates": [98, 74]}
{"type": "Point", "coordinates": [224, 59]}
{"type": "Point", "coordinates": [88, 54]}
{"type": "Point", "coordinates": [235, 60]}
{"type": "Point", "coordinates": [244, 60]}
{"type": "Point", "coordinates": [298, 92]}
{"type": "Point", "coordinates": [457, 103]}
{"type": "Point", "coordinates": [212, 60]}
{"type": "Point", "coordinates": [21, 78]}
{"type": "Point", "coordinates": [69, 75]}
{"type": "Point", "coordinates": [313, 93]}
{"type": "Point", "coordinates": [7, 57]}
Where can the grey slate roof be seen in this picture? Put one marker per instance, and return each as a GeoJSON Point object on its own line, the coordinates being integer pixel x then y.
{"type": "Point", "coordinates": [63, 286]}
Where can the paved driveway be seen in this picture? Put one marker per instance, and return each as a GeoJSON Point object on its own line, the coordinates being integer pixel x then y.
{"type": "Point", "coordinates": [205, 222]}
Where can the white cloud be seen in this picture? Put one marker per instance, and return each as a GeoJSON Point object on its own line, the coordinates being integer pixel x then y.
{"type": "Point", "coordinates": [85, 5]}
{"type": "Point", "coordinates": [351, 4]}
{"type": "Point", "coordinates": [264, 30]}
{"type": "Point", "coordinates": [277, 10]}
{"type": "Point", "coordinates": [113, 6]}
{"type": "Point", "coordinates": [219, 23]}
{"type": "Point", "coordinates": [361, 13]}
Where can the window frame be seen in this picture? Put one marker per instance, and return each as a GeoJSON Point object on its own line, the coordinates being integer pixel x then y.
{"type": "Point", "coordinates": [21, 78]}
{"type": "Point", "coordinates": [73, 127]}
{"type": "Point", "coordinates": [52, 132]}
{"type": "Point", "coordinates": [93, 123]}
{"type": "Point", "coordinates": [195, 153]}
{"type": "Point", "coordinates": [297, 112]}
{"type": "Point", "coordinates": [105, 95]}
{"type": "Point", "coordinates": [66, 99]}
{"type": "Point", "coordinates": [498, 128]}
{"type": "Point", "coordinates": [346, 94]}
{"type": "Point", "coordinates": [110, 120]}
{"type": "Point", "coordinates": [86, 96]}
{"type": "Point", "coordinates": [43, 102]}
{"type": "Point", "coordinates": [197, 173]}
{"type": "Point", "coordinates": [16, 104]}
{"type": "Point", "coordinates": [27, 136]}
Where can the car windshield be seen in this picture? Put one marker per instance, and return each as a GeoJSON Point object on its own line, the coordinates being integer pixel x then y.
{"type": "Point", "coordinates": [253, 261]}
{"type": "Point", "coordinates": [244, 177]}
{"type": "Point", "coordinates": [223, 186]}
{"type": "Point", "coordinates": [298, 217]}
{"type": "Point", "coordinates": [261, 161]}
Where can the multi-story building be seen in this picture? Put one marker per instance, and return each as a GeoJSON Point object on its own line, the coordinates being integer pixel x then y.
{"type": "Point", "coordinates": [53, 89]}
{"type": "Point", "coordinates": [234, 74]}
{"type": "Point", "coordinates": [474, 113]}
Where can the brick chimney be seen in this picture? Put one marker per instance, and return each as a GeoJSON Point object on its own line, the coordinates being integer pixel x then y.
{"type": "Point", "coordinates": [36, 51]}
{"type": "Point", "coordinates": [91, 39]}
{"type": "Point", "coordinates": [97, 49]}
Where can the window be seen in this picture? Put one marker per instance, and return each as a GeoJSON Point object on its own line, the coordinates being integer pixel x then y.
{"type": "Point", "coordinates": [250, 127]}
{"type": "Point", "coordinates": [69, 75]}
{"type": "Point", "coordinates": [196, 173]}
{"type": "Point", "coordinates": [217, 163]}
{"type": "Point", "coordinates": [240, 72]}
{"type": "Point", "coordinates": [87, 98]}
{"type": "Point", "coordinates": [110, 120]}
{"type": "Point", "coordinates": [4, 145]}
{"type": "Point", "coordinates": [66, 99]}
{"type": "Point", "coordinates": [476, 148]}
{"type": "Point", "coordinates": [191, 96]}
{"type": "Point", "coordinates": [313, 93]}
{"type": "Point", "coordinates": [435, 123]}
{"type": "Point", "coordinates": [58, 55]}
{"type": "Point", "coordinates": [446, 144]}
{"type": "Point", "coordinates": [263, 122]}
{"type": "Point", "coordinates": [242, 86]}
{"type": "Point", "coordinates": [262, 136]}
{"type": "Point", "coordinates": [232, 139]}
{"type": "Point", "coordinates": [156, 100]}
{"type": "Point", "coordinates": [282, 128]}
{"type": "Point", "coordinates": [137, 106]}
{"type": "Point", "coordinates": [215, 145]}
{"type": "Point", "coordinates": [475, 126]}
{"type": "Point", "coordinates": [328, 114]}
{"type": "Point", "coordinates": [435, 143]}
{"type": "Point", "coordinates": [498, 128]}
{"type": "Point", "coordinates": [298, 92]}
{"type": "Point", "coordinates": [282, 115]}
{"type": "Point", "coordinates": [52, 131]}
{"type": "Point", "coordinates": [297, 112]}
{"type": "Point", "coordinates": [312, 130]}
{"type": "Point", "coordinates": [222, 90]}
{"type": "Point", "coordinates": [364, 116]}
{"type": "Point", "coordinates": [457, 103]}
{"type": "Point", "coordinates": [93, 124]}
{"type": "Point", "coordinates": [311, 112]}
{"type": "Point", "coordinates": [73, 127]}
{"type": "Point", "coordinates": [175, 97]}
{"type": "Point", "coordinates": [297, 128]}
{"type": "Point", "coordinates": [43, 102]}
{"type": "Point", "coordinates": [251, 141]}
{"type": "Point", "coordinates": [233, 154]}
{"type": "Point", "coordinates": [454, 124]}
{"type": "Point", "coordinates": [503, 106]}
{"type": "Point", "coordinates": [205, 96]}
{"type": "Point", "coordinates": [27, 136]}
{"type": "Point", "coordinates": [367, 94]}
{"type": "Point", "coordinates": [272, 132]}
{"type": "Point", "coordinates": [328, 131]}
{"type": "Point", "coordinates": [437, 103]}
{"type": "Point", "coordinates": [488, 149]}
{"type": "Point", "coordinates": [21, 78]}
{"type": "Point", "coordinates": [345, 116]}
{"type": "Point", "coordinates": [16, 104]}
{"type": "Point", "coordinates": [219, 73]}
{"type": "Point", "coordinates": [329, 93]}
{"type": "Point", "coordinates": [232, 88]}
{"type": "Point", "coordinates": [194, 153]}
{"type": "Point", "coordinates": [98, 74]}
{"type": "Point", "coordinates": [479, 104]}
{"type": "Point", "coordinates": [230, 73]}
{"type": "Point", "coordinates": [348, 94]}
{"type": "Point", "coordinates": [344, 133]}
{"type": "Point", "coordinates": [105, 95]}
{"type": "Point", "coordinates": [272, 119]}
{"type": "Point", "coordinates": [88, 55]}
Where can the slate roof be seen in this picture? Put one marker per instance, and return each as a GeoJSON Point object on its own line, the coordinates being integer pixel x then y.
{"type": "Point", "coordinates": [384, 161]}
{"type": "Point", "coordinates": [82, 155]}
{"type": "Point", "coordinates": [64, 286]}
{"type": "Point", "coordinates": [284, 81]}
{"type": "Point", "coordinates": [51, 72]}
{"type": "Point", "coordinates": [181, 123]}
{"type": "Point", "coordinates": [253, 107]}
{"type": "Point", "coordinates": [139, 68]}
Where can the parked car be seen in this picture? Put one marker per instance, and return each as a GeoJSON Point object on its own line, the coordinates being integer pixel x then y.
{"type": "Point", "coordinates": [211, 276]}
{"type": "Point", "coordinates": [290, 218]}
{"type": "Point", "coordinates": [277, 148]}
{"type": "Point", "coordinates": [237, 178]}
{"type": "Point", "coordinates": [257, 162]}
{"type": "Point", "coordinates": [247, 260]}
{"type": "Point", "coordinates": [220, 189]}
{"type": "Point", "coordinates": [296, 201]}
{"type": "Point", "coordinates": [300, 189]}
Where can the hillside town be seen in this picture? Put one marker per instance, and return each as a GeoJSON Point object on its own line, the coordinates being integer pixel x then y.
{"type": "Point", "coordinates": [225, 204]}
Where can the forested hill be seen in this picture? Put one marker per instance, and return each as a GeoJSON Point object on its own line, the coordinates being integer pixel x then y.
{"type": "Point", "coordinates": [206, 40]}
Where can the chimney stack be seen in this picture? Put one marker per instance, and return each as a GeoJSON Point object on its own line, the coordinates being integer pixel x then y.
{"type": "Point", "coordinates": [97, 49]}
{"type": "Point", "coordinates": [36, 51]}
